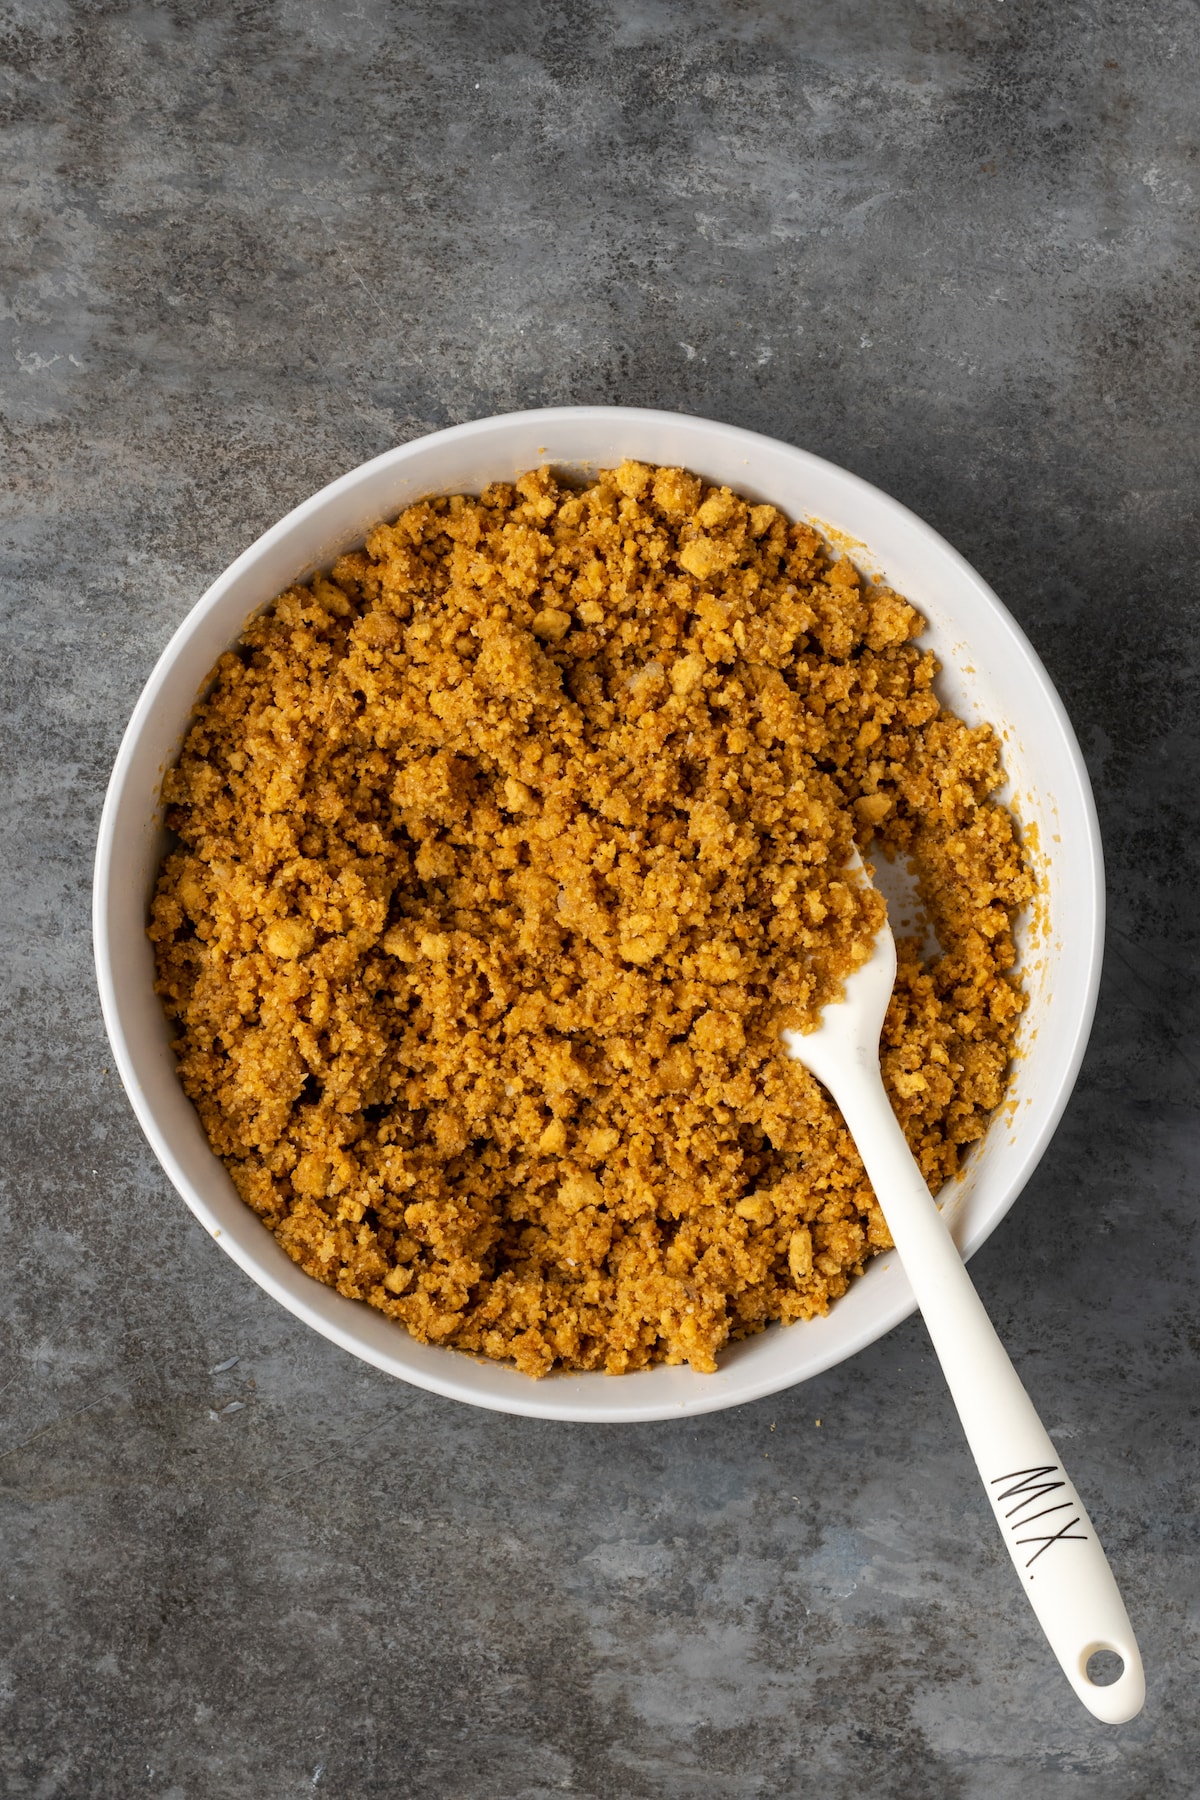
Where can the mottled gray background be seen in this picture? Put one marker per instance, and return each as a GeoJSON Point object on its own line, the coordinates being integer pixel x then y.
{"type": "Point", "coordinates": [246, 246]}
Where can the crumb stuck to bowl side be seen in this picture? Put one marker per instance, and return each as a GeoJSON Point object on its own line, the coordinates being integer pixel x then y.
{"type": "Point", "coordinates": [507, 850]}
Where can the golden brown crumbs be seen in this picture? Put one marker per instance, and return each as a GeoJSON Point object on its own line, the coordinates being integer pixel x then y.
{"type": "Point", "coordinates": [505, 852]}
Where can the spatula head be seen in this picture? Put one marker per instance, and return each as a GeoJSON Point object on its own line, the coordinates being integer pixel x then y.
{"type": "Point", "coordinates": [849, 1028]}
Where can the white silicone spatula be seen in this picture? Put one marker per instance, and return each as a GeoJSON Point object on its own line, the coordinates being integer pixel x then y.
{"type": "Point", "coordinates": [1050, 1538]}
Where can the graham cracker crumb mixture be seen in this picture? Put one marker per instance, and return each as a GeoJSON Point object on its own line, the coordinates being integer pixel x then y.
{"type": "Point", "coordinates": [505, 853]}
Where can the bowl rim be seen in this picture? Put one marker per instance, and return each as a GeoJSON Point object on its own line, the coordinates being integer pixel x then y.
{"type": "Point", "coordinates": [551, 1397]}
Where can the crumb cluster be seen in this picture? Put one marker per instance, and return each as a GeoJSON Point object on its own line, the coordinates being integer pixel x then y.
{"type": "Point", "coordinates": [505, 852]}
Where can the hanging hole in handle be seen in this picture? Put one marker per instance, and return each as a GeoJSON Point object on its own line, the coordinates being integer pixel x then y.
{"type": "Point", "coordinates": [1103, 1667]}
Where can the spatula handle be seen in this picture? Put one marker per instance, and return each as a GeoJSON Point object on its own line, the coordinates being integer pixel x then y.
{"type": "Point", "coordinates": [1042, 1520]}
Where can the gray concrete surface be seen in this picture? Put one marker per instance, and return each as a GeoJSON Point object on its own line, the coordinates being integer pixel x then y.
{"type": "Point", "coordinates": [246, 245]}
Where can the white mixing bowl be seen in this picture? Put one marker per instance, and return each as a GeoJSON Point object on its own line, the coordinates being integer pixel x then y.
{"type": "Point", "coordinates": [989, 673]}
